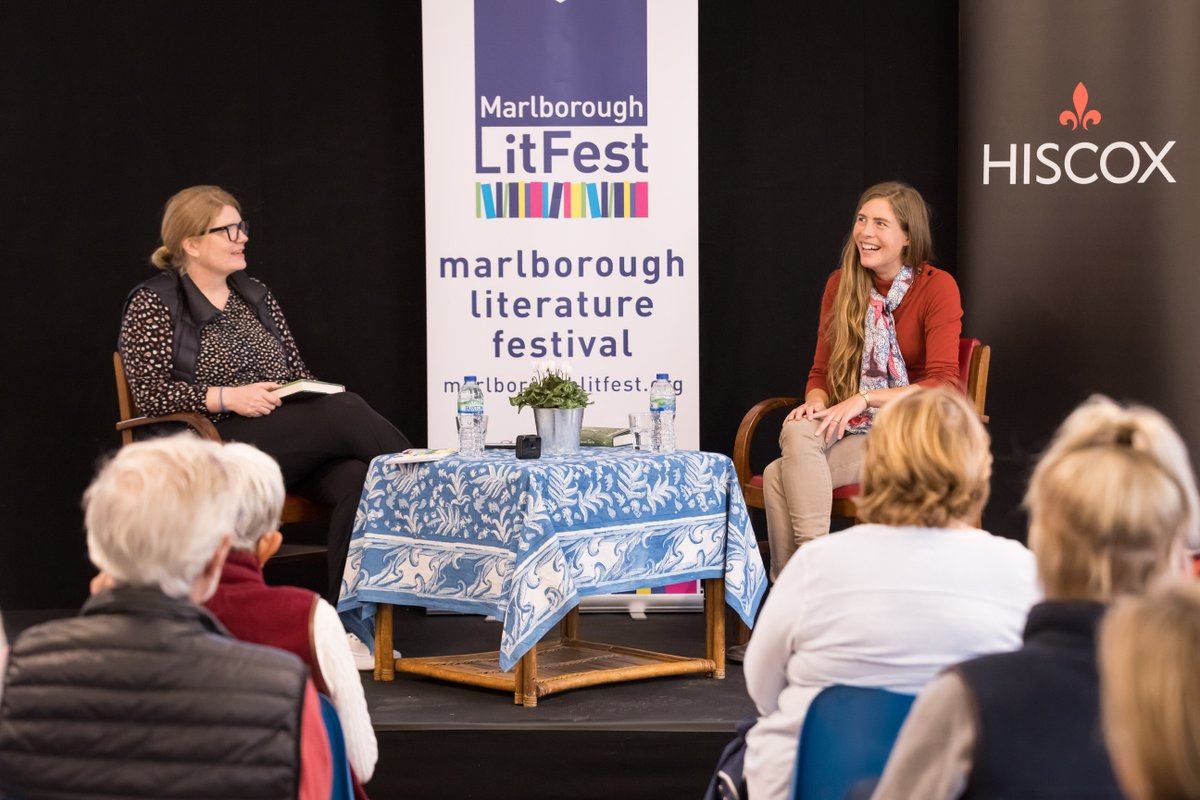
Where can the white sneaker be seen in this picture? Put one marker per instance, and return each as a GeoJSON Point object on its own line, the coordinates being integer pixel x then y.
{"type": "Point", "coordinates": [363, 659]}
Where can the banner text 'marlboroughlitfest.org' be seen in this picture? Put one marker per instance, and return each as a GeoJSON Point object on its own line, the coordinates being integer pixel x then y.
{"type": "Point", "coordinates": [590, 383]}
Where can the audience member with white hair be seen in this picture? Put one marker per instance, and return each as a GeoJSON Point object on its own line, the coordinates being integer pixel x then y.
{"type": "Point", "coordinates": [287, 617]}
{"type": "Point", "coordinates": [144, 676]}
{"type": "Point", "coordinates": [1111, 504]}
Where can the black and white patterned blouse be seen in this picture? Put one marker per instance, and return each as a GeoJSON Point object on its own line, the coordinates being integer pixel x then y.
{"type": "Point", "coordinates": [235, 349]}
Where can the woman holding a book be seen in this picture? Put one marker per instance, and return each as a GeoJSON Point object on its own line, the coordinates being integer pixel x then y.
{"type": "Point", "coordinates": [202, 336]}
{"type": "Point", "coordinates": [889, 321]}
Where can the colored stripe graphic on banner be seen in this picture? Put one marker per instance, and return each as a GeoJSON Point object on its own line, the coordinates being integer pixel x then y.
{"type": "Point", "coordinates": [536, 207]}
{"type": "Point", "coordinates": [594, 208]}
{"type": "Point", "coordinates": [562, 200]}
{"type": "Point", "coordinates": [642, 203]}
{"type": "Point", "coordinates": [577, 209]}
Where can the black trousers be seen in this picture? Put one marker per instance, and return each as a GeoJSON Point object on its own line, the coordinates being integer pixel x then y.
{"type": "Point", "coordinates": [323, 445]}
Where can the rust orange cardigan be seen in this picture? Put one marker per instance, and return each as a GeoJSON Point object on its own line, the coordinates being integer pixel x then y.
{"type": "Point", "coordinates": [928, 326]}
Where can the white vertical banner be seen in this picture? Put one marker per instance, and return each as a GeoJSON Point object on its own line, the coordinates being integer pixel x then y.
{"type": "Point", "coordinates": [561, 203]}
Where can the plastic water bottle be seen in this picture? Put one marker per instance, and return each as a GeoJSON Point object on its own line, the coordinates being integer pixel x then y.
{"type": "Point", "coordinates": [470, 417]}
{"type": "Point", "coordinates": [662, 412]}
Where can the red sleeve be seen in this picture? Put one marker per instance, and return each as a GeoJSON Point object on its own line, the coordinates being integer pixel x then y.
{"type": "Point", "coordinates": [820, 366]}
{"type": "Point", "coordinates": [943, 327]}
{"type": "Point", "coordinates": [316, 762]}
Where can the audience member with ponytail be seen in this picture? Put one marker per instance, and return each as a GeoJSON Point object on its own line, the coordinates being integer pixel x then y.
{"type": "Point", "coordinates": [1111, 504]}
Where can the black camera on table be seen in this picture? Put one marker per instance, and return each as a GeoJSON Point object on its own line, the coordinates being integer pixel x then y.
{"type": "Point", "coordinates": [529, 445]}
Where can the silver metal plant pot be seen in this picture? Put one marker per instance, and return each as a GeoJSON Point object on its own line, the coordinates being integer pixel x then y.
{"type": "Point", "coordinates": [559, 429]}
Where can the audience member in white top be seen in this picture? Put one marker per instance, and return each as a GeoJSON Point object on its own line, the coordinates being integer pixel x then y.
{"type": "Point", "coordinates": [303, 621]}
{"type": "Point", "coordinates": [891, 602]}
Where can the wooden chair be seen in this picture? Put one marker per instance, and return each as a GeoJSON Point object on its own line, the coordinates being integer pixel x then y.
{"type": "Point", "coordinates": [974, 359]}
{"type": "Point", "coordinates": [295, 507]}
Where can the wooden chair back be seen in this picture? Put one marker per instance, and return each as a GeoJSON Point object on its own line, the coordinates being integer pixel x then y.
{"type": "Point", "coordinates": [295, 507]}
{"type": "Point", "coordinates": [975, 359]}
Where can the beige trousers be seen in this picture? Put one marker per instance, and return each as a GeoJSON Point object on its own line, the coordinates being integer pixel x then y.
{"type": "Point", "coordinates": [798, 488]}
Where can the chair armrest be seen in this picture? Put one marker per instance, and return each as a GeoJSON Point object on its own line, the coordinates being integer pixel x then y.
{"type": "Point", "coordinates": [745, 433]}
{"type": "Point", "coordinates": [199, 423]}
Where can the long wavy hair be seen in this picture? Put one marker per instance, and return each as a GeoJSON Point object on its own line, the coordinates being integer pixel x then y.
{"type": "Point", "coordinates": [844, 329]}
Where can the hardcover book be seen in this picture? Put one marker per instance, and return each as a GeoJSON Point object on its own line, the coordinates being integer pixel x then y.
{"type": "Point", "coordinates": [605, 437]}
{"type": "Point", "coordinates": [307, 388]}
{"type": "Point", "coordinates": [419, 455]}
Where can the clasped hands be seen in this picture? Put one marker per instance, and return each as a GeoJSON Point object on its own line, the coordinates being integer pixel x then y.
{"type": "Point", "coordinates": [833, 420]}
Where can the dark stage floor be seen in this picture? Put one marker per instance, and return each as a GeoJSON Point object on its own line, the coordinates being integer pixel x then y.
{"type": "Point", "coordinates": [655, 738]}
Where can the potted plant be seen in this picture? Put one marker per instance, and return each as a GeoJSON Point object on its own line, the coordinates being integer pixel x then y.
{"type": "Point", "coordinates": [558, 402]}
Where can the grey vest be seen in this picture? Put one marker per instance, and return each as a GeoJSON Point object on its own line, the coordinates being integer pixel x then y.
{"type": "Point", "coordinates": [191, 311]}
{"type": "Point", "coordinates": [143, 695]}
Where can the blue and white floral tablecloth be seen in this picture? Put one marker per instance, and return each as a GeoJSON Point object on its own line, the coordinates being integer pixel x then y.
{"type": "Point", "coordinates": [523, 540]}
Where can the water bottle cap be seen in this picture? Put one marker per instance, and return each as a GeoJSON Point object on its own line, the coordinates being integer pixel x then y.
{"type": "Point", "coordinates": [662, 376]}
{"type": "Point", "coordinates": [469, 379]}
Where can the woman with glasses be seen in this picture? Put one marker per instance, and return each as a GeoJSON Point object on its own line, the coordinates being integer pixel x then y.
{"type": "Point", "coordinates": [202, 336]}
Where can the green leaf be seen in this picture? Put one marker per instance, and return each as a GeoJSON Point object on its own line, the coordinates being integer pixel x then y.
{"type": "Point", "coordinates": [551, 390]}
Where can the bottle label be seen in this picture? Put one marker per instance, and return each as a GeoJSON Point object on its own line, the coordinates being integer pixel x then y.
{"type": "Point", "coordinates": [662, 404]}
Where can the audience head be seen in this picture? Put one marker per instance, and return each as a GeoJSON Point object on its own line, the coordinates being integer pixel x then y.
{"type": "Point", "coordinates": [161, 514]}
{"type": "Point", "coordinates": [927, 462]}
{"type": "Point", "coordinates": [1150, 687]}
{"type": "Point", "coordinates": [1110, 502]}
{"type": "Point", "coordinates": [258, 485]}
{"type": "Point", "coordinates": [190, 212]}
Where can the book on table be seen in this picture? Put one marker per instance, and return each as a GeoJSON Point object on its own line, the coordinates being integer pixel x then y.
{"type": "Point", "coordinates": [605, 437]}
{"type": "Point", "coordinates": [307, 388]}
{"type": "Point", "coordinates": [419, 455]}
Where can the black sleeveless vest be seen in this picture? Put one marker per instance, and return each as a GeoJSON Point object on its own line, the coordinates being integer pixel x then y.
{"type": "Point", "coordinates": [1039, 712]}
{"type": "Point", "coordinates": [191, 311]}
{"type": "Point", "coordinates": [143, 695]}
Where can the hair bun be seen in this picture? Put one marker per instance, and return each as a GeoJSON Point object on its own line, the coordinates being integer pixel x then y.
{"type": "Point", "coordinates": [162, 258]}
{"type": "Point", "coordinates": [1124, 434]}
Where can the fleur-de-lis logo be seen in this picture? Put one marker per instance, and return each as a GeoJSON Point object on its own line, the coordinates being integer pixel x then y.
{"type": "Point", "coordinates": [1082, 115]}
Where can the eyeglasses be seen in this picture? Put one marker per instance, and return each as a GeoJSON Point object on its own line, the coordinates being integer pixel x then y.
{"type": "Point", "coordinates": [232, 230]}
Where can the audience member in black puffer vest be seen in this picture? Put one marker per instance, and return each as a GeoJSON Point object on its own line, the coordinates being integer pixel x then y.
{"type": "Point", "coordinates": [145, 694]}
{"type": "Point", "coordinates": [1111, 503]}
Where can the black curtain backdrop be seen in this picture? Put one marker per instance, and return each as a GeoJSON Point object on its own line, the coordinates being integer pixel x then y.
{"type": "Point", "coordinates": [312, 116]}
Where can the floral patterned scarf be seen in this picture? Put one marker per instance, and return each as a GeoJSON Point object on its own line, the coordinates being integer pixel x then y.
{"type": "Point", "coordinates": [882, 363]}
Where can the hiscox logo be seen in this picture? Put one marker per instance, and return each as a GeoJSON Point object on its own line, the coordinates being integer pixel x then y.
{"type": "Point", "coordinates": [1082, 162]}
